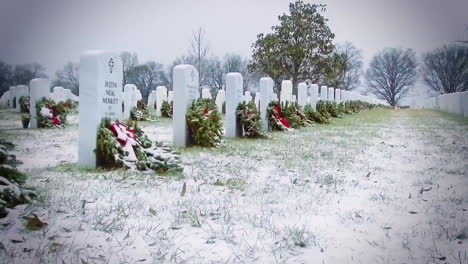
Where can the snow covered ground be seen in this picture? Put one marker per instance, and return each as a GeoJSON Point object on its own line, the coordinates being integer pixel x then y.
{"type": "Point", "coordinates": [386, 186]}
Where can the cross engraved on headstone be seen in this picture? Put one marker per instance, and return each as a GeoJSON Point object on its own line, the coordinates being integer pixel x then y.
{"type": "Point", "coordinates": [111, 65]}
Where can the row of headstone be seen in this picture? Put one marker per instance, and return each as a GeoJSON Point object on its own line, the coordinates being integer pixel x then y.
{"type": "Point", "coordinates": [455, 103]}
{"type": "Point", "coordinates": [102, 97]}
{"type": "Point", "coordinates": [12, 97]}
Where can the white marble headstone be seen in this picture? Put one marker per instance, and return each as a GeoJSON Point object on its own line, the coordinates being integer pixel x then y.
{"type": "Point", "coordinates": [161, 96]}
{"type": "Point", "coordinates": [266, 92]}
{"type": "Point", "coordinates": [338, 96]}
{"type": "Point", "coordinates": [21, 90]}
{"type": "Point", "coordinates": [257, 100]}
{"type": "Point", "coordinates": [286, 91]}
{"type": "Point", "coordinates": [40, 88]}
{"type": "Point", "coordinates": [206, 93]}
{"type": "Point", "coordinates": [331, 94]}
{"type": "Point", "coordinates": [129, 96]}
{"type": "Point", "coordinates": [234, 89]}
{"type": "Point", "coordinates": [314, 95]}
{"type": "Point", "coordinates": [100, 97]}
{"type": "Point", "coordinates": [151, 100]}
{"type": "Point", "coordinates": [323, 93]}
{"type": "Point", "coordinates": [220, 99]}
{"type": "Point", "coordinates": [185, 86]}
{"type": "Point", "coordinates": [12, 90]}
{"type": "Point", "coordinates": [302, 94]}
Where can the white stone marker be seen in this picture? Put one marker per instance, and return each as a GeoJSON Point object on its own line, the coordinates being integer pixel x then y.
{"type": "Point", "coordinates": [464, 103]}
{"type": "Point", "coordinates": [129, 95]}
{"type": "Point", "coordinates": [170, 96]}
{"type": "Point", "coordinates": [21, 90]}
{"type": "Point", "coordinates": [286, 91]}
{"type": "Point", "coordinates": [161, 96]}
{"type": "Point", "coordinates": [314, 95]}
{"type": "Point", "coordinates": [247, 96]}
{"type": "Point", "coordinates": [234, 88]}
{"type": "Point", "coordinates": [220, 99]}
{"type": "Point", "coordinates": [206, 93]}
{"type": "Point", "coordinates": [257, 100]}
{"type": "Point", "coordinates": [12, 90]}
{"type": "Point", "coordinates": [323, 93]}
{"type": "Point", "coordinates": [331, 94]}
{"type": "Point", "coordinates": [302, 94]}
{"type": "Point", "coordinates": [100, 97]}
{"type": "Point", "coordinates": [343, 96]}
{"type": "Point", "coordinates": [338, 96]}
{"type": "Point", "coordinates": [68, 94]}
{"type": "Point", "coordinates": [6, 96]}
{"type": "Point", "coordinates": [185, 86]}
{"type": "Point", "coordinates": [152, 100]}
{"type": "Point", "coordinates": [59, 94]}
{"type": "Point", "coordinates": [266, 92]}
{"type": "Point", "coordinates": [40, 88]}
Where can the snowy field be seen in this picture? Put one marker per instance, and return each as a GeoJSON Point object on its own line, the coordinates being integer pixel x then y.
{"type": "Point", "coordinates": [385, 186]}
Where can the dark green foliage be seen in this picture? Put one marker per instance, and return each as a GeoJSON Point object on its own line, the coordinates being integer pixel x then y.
{"type": "Point", "coordinates": [332, 109]}
{"type": "Point", "coordinates": [205, 123]}
{"type": "Point", "coordinates": [12, 192]}
{"type": "Point", "coordinates": [24, 104]}
{"type": "Point", "coordinates": [274, 117]}
{"type": "Point", "coordinates": [314, 116]}
{"type": "Point", "coordinates": [109, 153]}
{"type": "Point", "coordinates": [249, 118]}
{"type": "Point", "coordinates": [167, 109]}
{"type": "Point", "coordinates": [322, 109]}
{"type": "Point", "coordinates": [140, 112]}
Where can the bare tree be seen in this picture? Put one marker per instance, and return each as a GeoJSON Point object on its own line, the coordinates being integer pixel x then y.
{"type": "Point", "coordinates": [68, 77]}
{"type": "Point", "coordinates": [6, 73]}
{"type": "Point", "coordinates": [352, 66]}
{"type": "Point", "coordinates": [445, 70]}
{"type": "Point", "coordinates": [23, 74]}
{"type": "Point", "coordinates": [129, 61]}
{"type": "Point", "coordinates": [391, 73]}
{"type": "Point", "coordinates": [199, 51]}
{"type": "Point", "coordinates": [146, 77]}
{"type": "Point", "coordinates": [216, 75]}
{"type": "Point", "coordinates": [167, 77]}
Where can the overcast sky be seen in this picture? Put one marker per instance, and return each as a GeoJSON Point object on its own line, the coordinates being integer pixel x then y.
{"type": "Point", "coordinates": [52, 32]}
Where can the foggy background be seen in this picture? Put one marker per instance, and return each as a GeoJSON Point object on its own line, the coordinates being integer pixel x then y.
{"type": "Point", "coordinates": [52, 32]}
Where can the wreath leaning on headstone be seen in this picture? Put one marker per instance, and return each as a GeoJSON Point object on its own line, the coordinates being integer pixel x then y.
{"type": "Point", "coordinates": [205, 123]}
{"type": "Point", "coordinates": [249, 118]}
{"type": "Point", "coordinates": [276, 118]}
{"type": "Point", "coordinates": [167, 109]}
{"type": "Point", "coordinates": [51, 114]}
{"type": "Point", "coordinates": [295, 116]}
{"type": "Point", "coordinates": [140, 113]}
{"type": "Point", "coordinates": [126, 146]}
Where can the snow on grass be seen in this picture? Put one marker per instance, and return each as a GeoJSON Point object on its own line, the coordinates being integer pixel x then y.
{"type": "Point", "coordinates": [376, 187]}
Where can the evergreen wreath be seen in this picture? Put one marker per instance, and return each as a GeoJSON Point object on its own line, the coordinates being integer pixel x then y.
{"type": "Point", "coordinates": [205, 124]}
{"type": "Point", "coordinates": [51, 114]}
{"type": "Point", "coordinates": [276, 118]}
{"type": "Point", "coordinates": [249, 117]}
{"type": "Point", "coordinates": [322, 109]}
{"type": "Point", "coordinates": [126, 146]}
{"type": "Point", "coordinates": [140, 113]}
{"type": "Point", "coordinates": [167, 109]}
{"type": "Point", "coordinates": [294, 114]}
{"type": "Point", "coordinates": [314, 116]}
{"type": "Point", "coordinates": [332, 109]}
{"type": "Point", "coordinates": [24, 104]}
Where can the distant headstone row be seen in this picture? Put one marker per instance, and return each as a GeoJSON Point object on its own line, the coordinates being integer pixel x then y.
{"type": "Point", "coordinates": [14, 93]}
{"type": "Point", "coordinates": [455, 103]}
